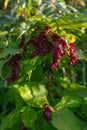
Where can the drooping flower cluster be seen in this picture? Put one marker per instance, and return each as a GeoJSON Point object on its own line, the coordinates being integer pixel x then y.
{"type": "Point", "coordinates": [44, 43]}
{"type": "Point", "coordinates": [62, 48]}
{"type": "Point", "coordinates": [41, 44]}
{"type": "Point", "coordinates": [14, 63]}
{"type": "Point", "coordinates": [58, 50]}
{"type": "Point", "coordinates": [47, 42]}
{"type": "Point", "coordinates": [72, 53]}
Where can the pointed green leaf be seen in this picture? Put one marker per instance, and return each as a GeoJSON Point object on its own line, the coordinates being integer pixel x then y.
{"type": "Point", "coordinates": [75, 21]}
{"type": "Point", "coordinates": [70, 99]}
{"type": "Point", "coordinates": [64, 119]}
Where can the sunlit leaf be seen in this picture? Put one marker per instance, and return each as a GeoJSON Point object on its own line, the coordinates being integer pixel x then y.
{"type": "Point", "coordinates": [35, 94]}
{"type": "Point", "coordinates": [70, 99]}
{"type": "Point", "coordinates": [74, 20]}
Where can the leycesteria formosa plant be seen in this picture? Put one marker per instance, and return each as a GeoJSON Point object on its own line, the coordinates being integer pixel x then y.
{"type": "Point", "coordinates": [43, 57]}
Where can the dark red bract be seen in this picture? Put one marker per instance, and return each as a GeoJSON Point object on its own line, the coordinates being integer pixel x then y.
{"type": "Point", "coordinates": [41, 45]}
{"type": "Point", "coordinates": [55, 37]}
{"type": "Point", "coordinates": [14, 75]}
{"type": "Point", "coordinates": [62, 41]}
{"type": "Point", "coordinates": [47, 113]}
{"type": "Point", "coordinates": [47, 28]}
{"type": "Point", "coordinates": [73, 57]}
{"type": "Point", "coordinates": [14, 63]}
{"type": "Point", "coordinates": [56, 57]}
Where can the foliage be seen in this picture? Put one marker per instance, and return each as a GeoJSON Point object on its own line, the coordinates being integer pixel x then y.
{"type": "Point", "coordinates": [43, 68]}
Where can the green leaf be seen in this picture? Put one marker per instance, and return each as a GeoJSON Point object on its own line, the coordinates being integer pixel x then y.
{"type": "Point", "coordinates": [29, 65]}
{"type": "Point", "coordinates": [34, 94]}
{"type": "Point", "coordinates": [83, 124]}
{"type": "Point", "coordinates": [81, 54]}
{"type": "Point", "coordinates": [2, 33]}
{"type": "Point", "coordinates": [39, 93]}
{"type": "Point", "coordinates": [37, 17]}
{"type": "Point", "coordinates": [10, 120]}
{"type": "Point", "coordinates": [37, 74]}
{"type": "Point", "coordinates": [15, 96]}
{"type": "Point", "coordinates": [8, 51]}
{"type": "Point", "coordinates": [28, 7]}
{"type": "Point", "coordinates": [64, 119]}
{"type": "Point", "coordinates": [75, 21]}
{"type": "Point", "coordinates": [79, 89]}
{"type": "Point", "coordinates": [28, 117]}
{"type": "Point", "coordinates": [25, 92]}
{"type": "Point", "coordinates": [70, 99]}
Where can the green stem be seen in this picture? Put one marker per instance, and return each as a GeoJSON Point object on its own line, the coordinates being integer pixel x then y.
{"type": "Point", "coordinates": [57, 24]}
{"type": "Point", "coordinates": [28, 5]}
